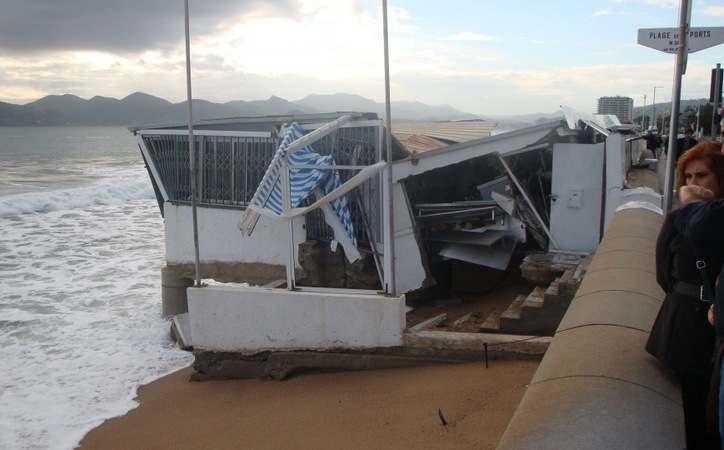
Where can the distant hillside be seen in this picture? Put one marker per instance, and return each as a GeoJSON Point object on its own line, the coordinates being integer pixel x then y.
{"type": "Point", "coordinates": [16, 115]}
{"type": "Point", "coordinates": [140, 108]}
{"type": "Point", "coordinates": [664, 109]}
{"type": "Point", "coordinates": [143, 109]}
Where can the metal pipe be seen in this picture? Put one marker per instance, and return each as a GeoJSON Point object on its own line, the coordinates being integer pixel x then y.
{"type": "Point", "coordinates": [717, 90]}
{"type": "Point", "coordinates": [654, 119]}
{"type": "Point", "coordinates": [192, 152]}
{"type": "Point", "coordinates": [391, 289]}
{"type": "Point", "coordinates": [643, 116]}
{"type": "Point", "coordinates": [679, 70]}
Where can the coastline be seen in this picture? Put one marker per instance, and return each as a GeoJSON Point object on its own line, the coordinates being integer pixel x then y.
{"type": "Point", "coordinates": [366, 409]}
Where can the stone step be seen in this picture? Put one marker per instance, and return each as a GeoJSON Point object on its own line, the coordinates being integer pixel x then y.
{"type": "Point", "coordinates": [539, 312]}
{"type": "Point", "coordinates": [536, 298]}
{"type": "Point", "coordinates": [513, 311]}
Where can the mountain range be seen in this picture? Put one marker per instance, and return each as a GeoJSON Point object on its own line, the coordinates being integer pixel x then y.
{"type": "Point", "coordinates": [140, 108]}
{"type": "Point", "coordinates": [143, 109]}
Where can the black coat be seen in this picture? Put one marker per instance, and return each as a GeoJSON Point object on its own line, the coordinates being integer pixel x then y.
{"type": "Point", "coordinates": [702, 224]}
{"type": "Point", "coordinates": [681, 337]}
{"type": "Point", "coordinates": [682, 147]}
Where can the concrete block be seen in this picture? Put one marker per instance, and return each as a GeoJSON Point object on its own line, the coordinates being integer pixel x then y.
{"type": "Point", "coordinates": [620, 279]}
{"type": "Point", "coordinates": [616, 414]}
{"type": "Point", "coordinates": [588, 352]}
{"type": "Point", "coordinates": [248, 319]}
{"type": "Point", "coordinates": [620, 308]}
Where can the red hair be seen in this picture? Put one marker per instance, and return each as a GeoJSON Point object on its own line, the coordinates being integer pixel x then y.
{"type": "Point", "coordinates": [709, 152]}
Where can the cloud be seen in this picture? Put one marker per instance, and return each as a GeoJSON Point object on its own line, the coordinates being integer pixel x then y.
{"type": "Point", "coordinates": [37, 26]}
{"type": "Point", "coordinates": [602, 12]}
{"type": "Point", "coordinates": [469, 36]}
{"type": "Point", "coordinates": [661, 3]}
{"type": "Point", "coordinates": [714, 11]}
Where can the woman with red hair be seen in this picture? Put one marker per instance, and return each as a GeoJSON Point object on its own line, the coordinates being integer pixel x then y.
{"type": "Point", "coordinates": [682, 337]}
{"type": "Point", "coordinates": [707, 157]}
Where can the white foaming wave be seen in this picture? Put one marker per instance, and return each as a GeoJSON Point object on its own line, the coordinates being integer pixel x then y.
{"type": "Point", "coordinates": [82, 320]}
{"type": "Point", "coordinates": [105, 192]}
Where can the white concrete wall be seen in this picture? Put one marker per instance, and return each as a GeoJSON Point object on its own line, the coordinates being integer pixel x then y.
{"type": "Point", "coordinates": [246, 319]}
{"type": "Point", "coordinates": [221, 240]}
{"type": "Point", "coordinates": [615, 176]}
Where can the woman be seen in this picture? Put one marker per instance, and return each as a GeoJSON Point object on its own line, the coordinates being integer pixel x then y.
{"type": "Point", "coordinates": [682, 337]}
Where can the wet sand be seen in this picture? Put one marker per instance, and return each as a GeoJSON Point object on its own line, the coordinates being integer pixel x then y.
{"type": "Point", "coordinates": [392, 408]}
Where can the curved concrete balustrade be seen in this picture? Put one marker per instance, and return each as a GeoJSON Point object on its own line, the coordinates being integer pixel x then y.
{"type": "Point", "coordinates": [596, 386]}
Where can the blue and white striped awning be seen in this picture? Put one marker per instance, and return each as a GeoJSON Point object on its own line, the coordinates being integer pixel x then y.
{"type": "Point", "coordinates": [308, 171]}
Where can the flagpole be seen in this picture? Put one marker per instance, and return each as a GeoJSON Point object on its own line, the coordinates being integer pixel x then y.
{"type": "Point", "coordinates": [391, 290]}
{"type": "Point", "coordinates": [192, 152]}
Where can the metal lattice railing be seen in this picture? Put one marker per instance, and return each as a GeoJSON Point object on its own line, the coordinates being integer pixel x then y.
{"type": "Point", "coordinates": [230, 168]}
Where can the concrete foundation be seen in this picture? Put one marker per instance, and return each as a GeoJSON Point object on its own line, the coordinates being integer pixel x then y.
{"type": "Point", "coordinates": [249, 320]}
{"type": "Point", "coordinates": [173, 292]}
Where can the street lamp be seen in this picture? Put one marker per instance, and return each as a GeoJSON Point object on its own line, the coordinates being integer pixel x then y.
{"type": "Point", "coordinates": [643, 116]}
{"type": "Point", "coordinates": [653, 108]}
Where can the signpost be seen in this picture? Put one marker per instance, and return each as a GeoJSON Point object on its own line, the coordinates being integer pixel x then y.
{"type": "Point", "coordinates": [680, 41]}
{"type": "Point", "coordinates": [667, 40]}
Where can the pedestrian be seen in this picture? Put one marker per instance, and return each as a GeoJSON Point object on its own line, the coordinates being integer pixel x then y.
{"type": "Point", "coordinates": [685, 143]}
{"type": "Point", "coordinates": [653, 141]}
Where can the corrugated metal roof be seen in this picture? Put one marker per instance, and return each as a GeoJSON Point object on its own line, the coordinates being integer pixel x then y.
{"type": "Point", "coordinates": [415, 143]}
{"type": "Point", "coordinates": [425, 136]}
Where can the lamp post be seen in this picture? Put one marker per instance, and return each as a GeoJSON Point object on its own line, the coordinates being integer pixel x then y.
{"type": "Point", "coordinates": [653, 108]}
{"type": "Point", "coordinates": [643, 116]}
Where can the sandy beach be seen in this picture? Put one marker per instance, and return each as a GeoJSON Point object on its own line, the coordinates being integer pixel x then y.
{"type": "Point", "coordinates": [394, 408]}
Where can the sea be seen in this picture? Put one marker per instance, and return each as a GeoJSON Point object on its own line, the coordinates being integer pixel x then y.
{"type": "Point", "coordinates": [81, 252]}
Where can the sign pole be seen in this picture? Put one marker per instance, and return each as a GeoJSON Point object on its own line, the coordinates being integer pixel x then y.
{"type": "Point", "coordinates": [717, 90]}
{"type": "Point", "coordinates": [684, 17]}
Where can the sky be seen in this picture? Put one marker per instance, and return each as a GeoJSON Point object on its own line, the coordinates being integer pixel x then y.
{"type": "Point", "coordinates": [492, 58]}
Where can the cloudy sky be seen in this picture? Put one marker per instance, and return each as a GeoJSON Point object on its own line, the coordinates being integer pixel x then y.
{"type": "Point", "coordinates": [481, 56]}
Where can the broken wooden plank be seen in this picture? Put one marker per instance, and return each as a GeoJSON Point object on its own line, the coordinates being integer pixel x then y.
{"type": "Point", "coordinates": [434, 321]}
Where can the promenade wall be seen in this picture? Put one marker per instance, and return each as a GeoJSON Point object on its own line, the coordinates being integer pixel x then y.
{"type": "Point", "coordinates": [597, 387]}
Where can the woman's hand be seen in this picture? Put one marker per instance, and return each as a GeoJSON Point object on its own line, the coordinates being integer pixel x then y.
{"type": "Point", "coordinates": [694, 193]}
{"type": "Point", "coordinates": [710, 315]}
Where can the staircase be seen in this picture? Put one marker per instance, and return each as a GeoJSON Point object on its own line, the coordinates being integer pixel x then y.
{"type": "Point", "coordinates": [540, 312]}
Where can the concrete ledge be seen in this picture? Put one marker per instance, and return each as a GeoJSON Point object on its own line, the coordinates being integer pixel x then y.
{"type": "Point", "coordinates": [501, 346]}
{"type": "Point", "coordinates": [587, 352]}
{"type": "Point", "coordinates": [247, 319]}
{"type": "Point", "coordinates": [619, 308]}
{"type": "Point", "coordinates": [423, 348]}
{"type": "Point", "coordinates": [596, 386]}
{"type": "Point", "coordinates": [615, 415]}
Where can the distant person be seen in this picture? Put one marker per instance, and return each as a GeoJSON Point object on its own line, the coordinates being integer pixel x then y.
{"type": "Point", "coordinates": [664, 142]}
{"type": "Point", "coordinates": [685, 143]}
{"type": "Point", "coordinates": [682, 337]}
{"type": "Point", "coordinates": [653, 141]}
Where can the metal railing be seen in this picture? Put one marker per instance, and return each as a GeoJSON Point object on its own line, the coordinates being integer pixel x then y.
{"type": "Point", "coordinates": [230, 167]}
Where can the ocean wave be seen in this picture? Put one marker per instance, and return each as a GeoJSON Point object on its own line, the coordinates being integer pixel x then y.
{"type": "Point", "coordinates": [103, 192]}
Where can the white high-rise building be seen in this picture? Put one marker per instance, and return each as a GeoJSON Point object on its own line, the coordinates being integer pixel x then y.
{"type": "Point", "coordinates": [621, 107]}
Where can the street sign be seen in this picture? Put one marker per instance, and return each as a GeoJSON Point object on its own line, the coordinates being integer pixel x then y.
{"type": "Point", "coordinates": [667, 39]}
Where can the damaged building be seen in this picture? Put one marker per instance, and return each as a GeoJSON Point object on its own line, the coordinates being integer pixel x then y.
{"type": "Point", "coordinates": [319, 213]}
